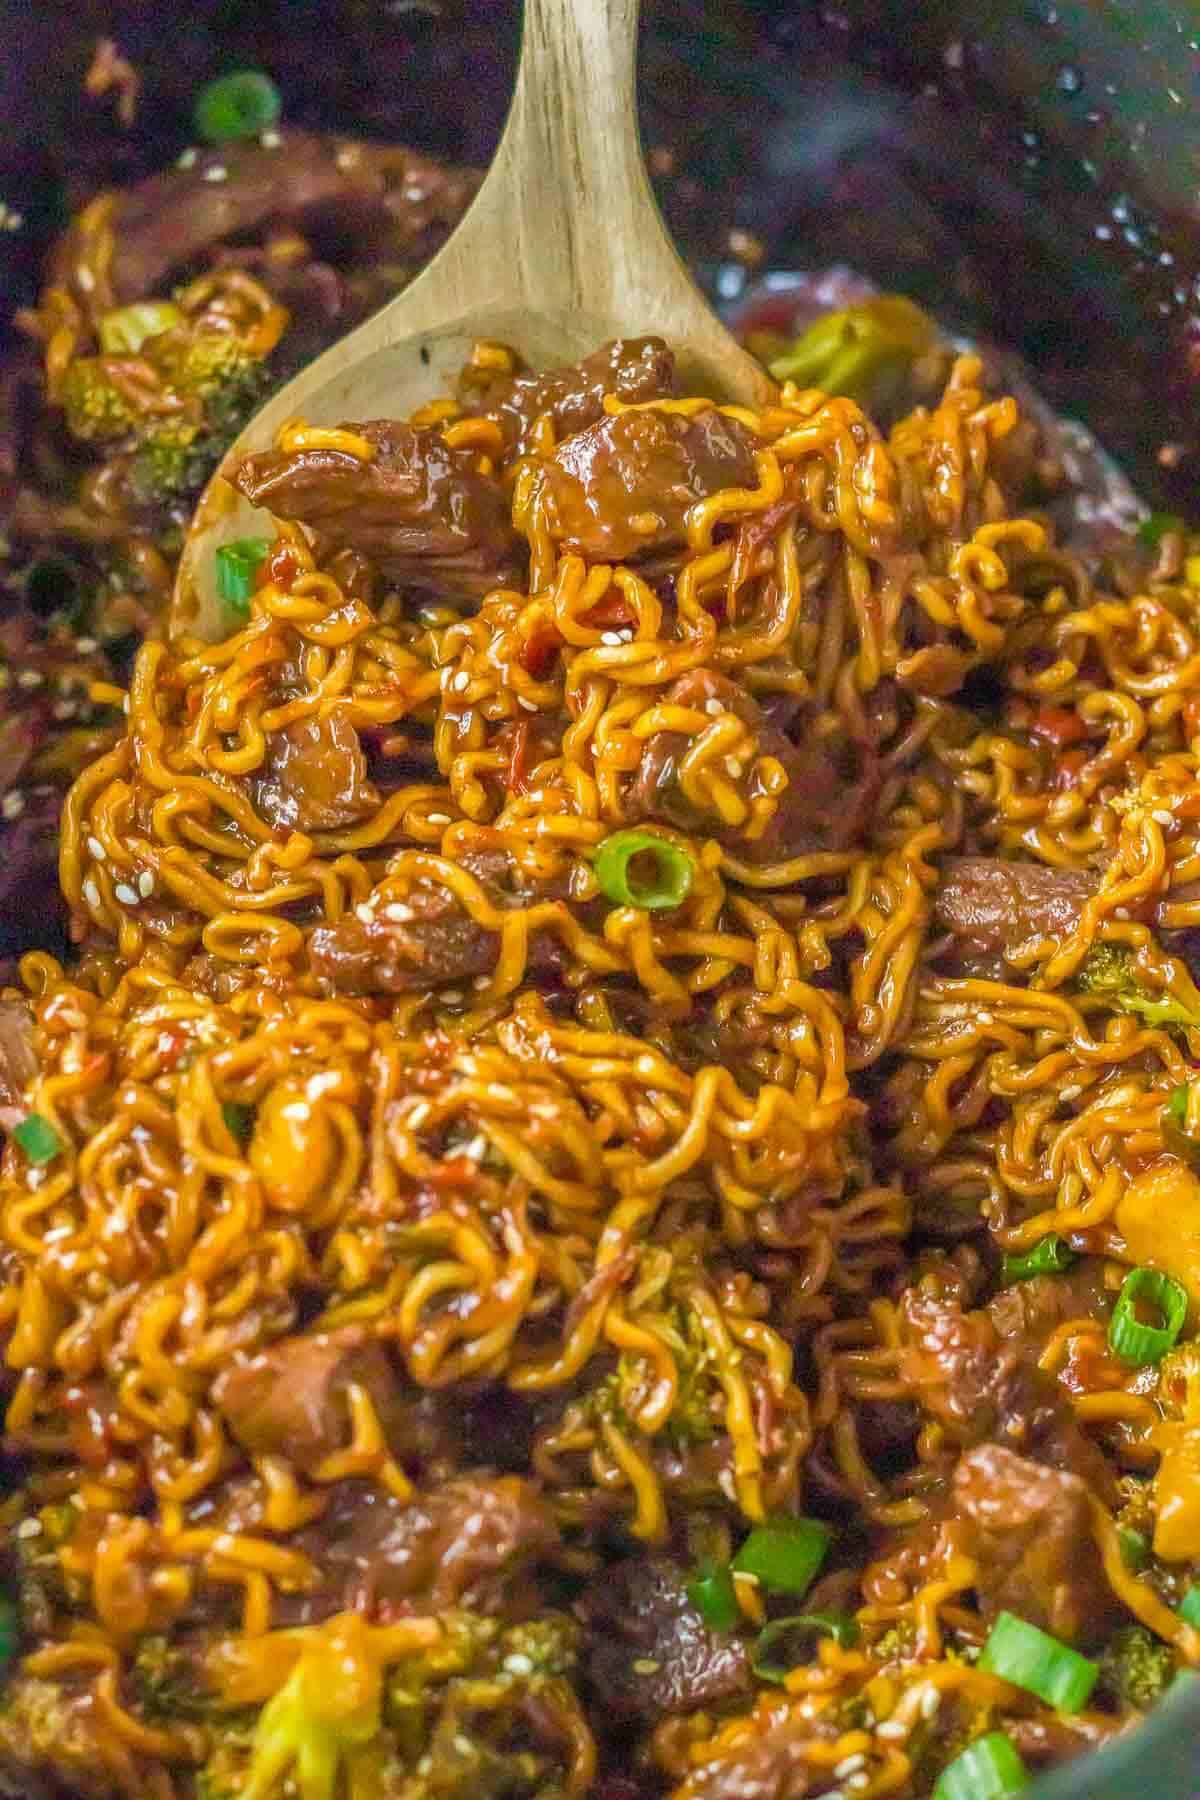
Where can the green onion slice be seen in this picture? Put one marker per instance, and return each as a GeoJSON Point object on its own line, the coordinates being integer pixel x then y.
{"type": "Point", "coordinates": [37, 1138]}
{"type": "Point", "coordinates": [1128, 1338]}
{"type": "Point", "coordinates": [1189, 1609]}
{"type": "Point", "coordinates": [237, 106]}
{"type": "Point", "coordinates": [989, 1767]}
{"type": "Point", "coordinates": [123, 332]}
{"type": "Point", "coordinates": [639, 868]}
{"type": "Point", "coordinates": [711, 1592]}
{"type": "Point", "coordinates": [239, 1119]}
{"type": "Point", "coordinates": [839, 1626]}
{"type": "Point", "coordinates": [784, 1554]}
{"type": "Point", "coordinates": [237, 566]}
{"type": "Point", "coordinates": [1049, 1256]}
{"type": "Point", "coordinates": [10, 1631]}
{"type": "Point", "coordinates": [1152, 530]}
{"type": "Point", "coordinates": [1017, 1651]}
{"type": "Point", "coordinates": [1135, 1550]}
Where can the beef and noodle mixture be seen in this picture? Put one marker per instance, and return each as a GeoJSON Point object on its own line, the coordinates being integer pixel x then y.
{"type": "Point", "coordinates": [602, 1184]}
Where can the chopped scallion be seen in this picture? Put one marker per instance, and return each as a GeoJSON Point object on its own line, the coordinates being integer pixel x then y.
{"type": "Point", "coordinates": [711, 1592]}
{"type": "Point", "coordinates": [236, 106]}
{"type": "Point", "coordinates": [237, 566]}
{"type": "Point", "coordinates": [1049, 1256]}
{"type": "Point", "coordinates": [123, 332]}
{"type": "Point", "coordinates": [1134, 1548]}
{"type": "Point", "coordinates": [986, 1769]}
{"type": "Point", "coordinates": [784, 1554]}
{"type": "Point", "coordinates": [639, 868]}
{"type": "Point", "coordinates": [239, 1119]}
{"type": "Point", "coordinates": [37, 1138]}
{"type": "Point", "coordinates": [1017, 1651]}
{"type": "Point", "coordinates": [1131, 1340]}
{"type": "Point", "coordinates": [1156, 527]}
{"type": "Point", "coordinates": [770, 1664]}
{"type": "Point", "coordinates": [1189, 1607]}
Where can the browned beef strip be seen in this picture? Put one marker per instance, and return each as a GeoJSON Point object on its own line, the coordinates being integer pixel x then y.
{"type": "Point", "coordinates": [995, 906]}
{"type": "Point", "coordinates": [637, 1614]}
{"type": "Point", "coordinates": [315, 776]}
{"type": "Point", "coordinates": [823, 807]}
{"type": "Point", "coordinates": [437, 942]}
{"type": "Point", "coordinates": [1029, 1529]}
{"type": "Point", "coordinates": [1026, 1312]}
{"type": "Point", "coordinates": [17, 1061]}
{"type": "Point", "coordinates": [466, 1542]}
{"type": "Point", "coordinates": [573, 396]}
{"type": "Point", "coordinates": [290, 1400]}
{"type": "Point", "coordinates": [419, 510]}
{"type": "Point", "coordinates": [621, 488]}
{"type": "Point", "coordinates": [392, 200]}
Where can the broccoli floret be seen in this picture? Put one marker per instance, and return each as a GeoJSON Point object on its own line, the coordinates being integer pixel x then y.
{"type": "Point", "coordinates": [1110, 971]}
{"type": "Point", "coordinates": [1136, 1668]}
{"type": "Point", "coordinates": [167, 1683]}
{"type": "Point", "coordinates": [546, 1648]}
{"type": "Point", "coordinates": [864, 351]}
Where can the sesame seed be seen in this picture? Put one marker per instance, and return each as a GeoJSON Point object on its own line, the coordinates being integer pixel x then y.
{"type": "Point", "coordinates": [713, 708]}
{"type": "Point", "coordinates": [735, 766]}
{"type": "Point", "coordinates": [892, 1729]}
{"type": "Point", "coordinates": [64, 709]}
{"type": "Point", "coordinates": [984, 1018]}
{"type": "Point", "coordinates": [398, 914]}
{"type": "Point", "coordinates": [364, 913]}
{"type": "Point", "coordinates": [85, 278]}
{"type": "Point", "coordinates": [476, 1149]}
{"type": "Point", "coordinates": [518, 1663]}
{"type": "Point", "coordinates": [35, 1177]}
{"type": "Point", "coordinates": [30, 678]}
{"type": "Point", "coordinates": [86, 645]}
{"type": "Point", "coordinates": [218, 172]}
{"type": "Point", "coordinates": [270, 140]}
{"type": "Point", "coordinates": [529, 705]}
{"type": "Point", "coordinates": [187, 158]}
{"type": "Point", "coordinates": [146, 884]}
{"type": "Point", "coordinates": [419, 1114]}
{"type": "Point", "coordinates": [91, 892]}
{"type": "Point", "coordinates": [96, 849]}
{"type": "Point", "coordinates": [438, 818]}
{"type": "Point", "coordinates": [858, 1782]}
{"type": "Point", "coordinates": [1070, 1093]}
{"type": "Point", "coordinates": [1163, 816]}
{"type": "Point", "coordinates": [931, 1700]}
{"type": "Point", "coordinates": [461, 682]}
{"type": "Point", "coordinates": [297, 1109]}
{"type": "Point", "coordinates": [125, 894]}
{"type": "Point", "coordinates": [452, 996]}
{"type": "Point", "coordinates": [610, 637]}
{"type": "Point", "coordinates": [480, 982]}
{"type": "Point", "coordinates": [626, 636]}
{"type": "Point", "coordinates": [13, 805]}
{"type": "Point", "coordinates": [1120, 912]}
{"type": "Point", "coordinates": [646, 1665]}
{"type": "Point", "coordinates": [850, 1764]}
{"type": "Point", "coordinates": [29, 1528]}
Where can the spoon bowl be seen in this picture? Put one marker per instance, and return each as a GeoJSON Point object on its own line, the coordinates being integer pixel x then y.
{"type": "Point", "coordinates": [562, 249]}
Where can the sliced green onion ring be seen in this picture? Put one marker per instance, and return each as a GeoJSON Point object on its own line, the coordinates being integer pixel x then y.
{"type": "Point", "coordinates": [711, 1592]}
{"type": "Point", "coordinates": [1153, 529]}
{"type": "Point", "coordinates": [1189, 1607]}
{"type": "Point", "coordinates": [1017, 1651]}
{"type": "Point", "coordinates": [37, 1138]}
{"type": "Point", "coordinates": [639, 868]}
{"type": "Point", "coordinates": [1049, 1256]}
{"type": "Point", "coordinates": [784, 1554]}
{"type": "Point", "coordinates": [1135, 1549]}
{"type": "Point", "coordinates": [1138, 1344]}
{"type": "Point", "coordinates": [237, 566]}
{"type": "Point", "coordinates": [839, 1626]}
{"type": "Point", "coordinates": [235, 106]}
{"type": "Point", "coordinates": [985, 1770]}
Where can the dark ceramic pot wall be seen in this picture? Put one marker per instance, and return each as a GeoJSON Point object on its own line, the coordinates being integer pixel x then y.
{"type": "Point", "coordinates": [1030, 170]}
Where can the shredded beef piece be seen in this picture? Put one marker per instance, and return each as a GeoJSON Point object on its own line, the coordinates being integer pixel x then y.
{"type": "Point", "coordinates": [1030, 1532]}
{"type": "Point", "coordinates": [633, 369]}
{"type": "Point", "coordinates": [997, 906]}
{"type": "Point", "coordinates": [290, 1400]}
{"type": "Point", "coordinates": [315, 776]}
{"type": "Point", "coordinates": [622, 487]}
{"type": "Point", "coordinates": [638, 1613]}
{"type": "Point", "coordinates": [437, 942]}
{"type": "Point", "coordinates": [830, 784]}
{"type": "Point", "coordinates": [391, 200]}
{"type": "Point", "coordinates": [419, 510]}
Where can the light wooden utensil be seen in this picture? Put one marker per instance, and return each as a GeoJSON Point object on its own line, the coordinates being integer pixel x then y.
{"type": "Point", "coordinates": [562, 248]}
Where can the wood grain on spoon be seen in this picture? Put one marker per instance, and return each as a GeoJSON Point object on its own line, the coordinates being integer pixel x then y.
{"type": "Point", "coordinates": [563, 248]}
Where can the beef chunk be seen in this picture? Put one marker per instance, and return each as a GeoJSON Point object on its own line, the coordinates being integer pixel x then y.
{"type": "Point", "coordinates": [1027, 1312]}
{"type": "Point", "coordinates": [17, 1061]}
{"type": "Point", "coordinates": [631, 368]}
{"type": "Point", "coordinates": [623, 486]}
{"type": "Point", "coordinates": [290, 1400]}
{"type": "Point", "coordinates": [996, 906]}
{"type": "Point", "coordinates": [1030, 1532]}
{"type": "Point", "coordinates": [426, 939]}
{"type": "Point", "coordinates": [637, 1614]}
{"type": "Point", "coordinates": [383, 199]}
{"type": "Point", "coordinates": [315, 776]}
{"type": "Point", "coordinates": [418, 510]}
{"type": "Point", "coordinates": [823, 807]}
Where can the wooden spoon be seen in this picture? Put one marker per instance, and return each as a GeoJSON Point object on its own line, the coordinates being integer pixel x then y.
{"type": "Point", "coordinates": [562, 248]}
